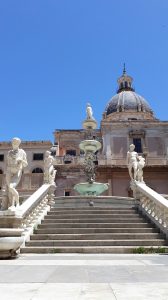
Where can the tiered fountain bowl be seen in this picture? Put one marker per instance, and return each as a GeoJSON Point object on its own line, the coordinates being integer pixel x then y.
{"type": "Point", "coordinates": [90, 188]}
{"type": "Point", "coordinates": [90, 146]}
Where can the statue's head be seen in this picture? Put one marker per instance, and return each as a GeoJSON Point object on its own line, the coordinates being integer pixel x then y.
{"type": "Point", "coordinates": [47, 153]}
{"type": "Point", "coordinates": [15, 143]}
{"type": "Point", "coordinates": [132, 147]}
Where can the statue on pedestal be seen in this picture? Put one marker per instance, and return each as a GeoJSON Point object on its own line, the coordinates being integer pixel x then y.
{"type": "Point", "coordinates": [135, 164]}
{"type": "Point", "coordinates": [49, 171]}
{"type": "Point", "coordinates": [132, 162]}
{"type": "Point", "coordinates": [16, 162]}
{"type": "Point", "coordinates": [89, 124]}
{"type": "Point", "coordinates": [89, 112]}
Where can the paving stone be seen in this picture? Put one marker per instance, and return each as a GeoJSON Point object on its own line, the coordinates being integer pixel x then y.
{"type": "Point", "coordinates": [84, 277]}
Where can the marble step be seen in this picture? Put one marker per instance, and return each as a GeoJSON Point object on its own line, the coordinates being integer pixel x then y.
{"type": "Point", "coordinates": [94, 230]}
{"type": "Point", "coordinates": [81, 202]}
{"type": "Point", "coordinates": [84, 216]}
{"type": "Point", "coordinates": [96, 236]}
{"type": "Point", "coordinates": [92, 208]}
{"type": "Point", "coordinates": [95, 225]}
{"type": "Point", "coordinates": [86, 249]}
{"type": "Point", "coordinates": [97, 204]}
{"type": "Point", "coordinates": [91, 211]}
{"type": "Point", "coordinates": [94, 220]}
{"type": "Point", "coordinates": [82, 243]}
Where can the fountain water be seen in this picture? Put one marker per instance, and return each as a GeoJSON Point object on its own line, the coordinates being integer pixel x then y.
{"type": "Point", "coordinates": [90, 146]}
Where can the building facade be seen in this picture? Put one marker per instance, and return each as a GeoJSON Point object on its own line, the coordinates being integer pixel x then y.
{"type": "Point", "coordinates": [128, 118]}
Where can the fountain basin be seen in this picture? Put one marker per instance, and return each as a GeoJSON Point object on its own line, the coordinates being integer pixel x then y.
{"type": "Point", "coordinates": [91, 189]}
{"type": "Point", "coordinates": [90, 124]}
{"type": "Point", "coordinates": [90, 145]}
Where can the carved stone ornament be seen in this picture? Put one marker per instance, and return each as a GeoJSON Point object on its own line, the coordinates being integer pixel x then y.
{"type": "Point", "coordinates": [89, 167]}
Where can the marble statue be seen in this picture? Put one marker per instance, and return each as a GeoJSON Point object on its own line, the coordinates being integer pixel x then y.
{"type": "Point", "coordinates": [141, 164]}
{"type": "Point", "coordinates": [132, 162]}
{"type": "Point", "coordinates": [89, 112]}
{"type": "Point", "coordinates": [135, 164]}
{"type": "Point", "coordinates": [49, 171]}
{"type": "Point", "coordinates": [16, 162]}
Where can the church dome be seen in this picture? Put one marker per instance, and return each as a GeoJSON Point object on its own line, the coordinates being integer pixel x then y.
{"type": "Point", "coordinates": [127, 102]}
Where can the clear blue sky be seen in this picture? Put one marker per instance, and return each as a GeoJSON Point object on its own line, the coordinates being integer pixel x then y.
{"type": "Point", "coordinates": [56, 55]}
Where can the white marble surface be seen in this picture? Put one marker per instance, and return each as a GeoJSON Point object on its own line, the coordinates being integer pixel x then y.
{"type": "Point", "coordinates": [83, 262]}
{"type": "Point", "coordinates": [81, 277]}
{"type": "Point", "coordinates": [89, 291]}
{"type": "Point", "coordinates": [61, 291]}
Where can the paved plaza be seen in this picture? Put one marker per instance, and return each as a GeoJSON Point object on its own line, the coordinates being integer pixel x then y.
{"type": "Point", "coordinates": [79, 276]}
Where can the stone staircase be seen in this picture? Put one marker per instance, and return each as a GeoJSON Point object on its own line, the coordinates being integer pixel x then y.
{"type": "Point", "coordinates": [111, 226]}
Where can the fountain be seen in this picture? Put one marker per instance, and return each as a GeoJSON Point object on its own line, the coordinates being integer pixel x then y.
{"type": "Point", "coordinates": [90, 146]}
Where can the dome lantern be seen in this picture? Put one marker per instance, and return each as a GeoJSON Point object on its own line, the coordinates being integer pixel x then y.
{"type": "Point", "coordinates": [125, 82]}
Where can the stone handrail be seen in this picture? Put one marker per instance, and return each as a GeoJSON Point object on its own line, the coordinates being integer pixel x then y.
{"type": "Point", "coordinates": [33, 209]}
{"type": "Point", "coordinates": [17, 226]}
{"type": "Point", "coordinates": [152, 204]}
{"type": "Point", "coordinates": [34, 200]}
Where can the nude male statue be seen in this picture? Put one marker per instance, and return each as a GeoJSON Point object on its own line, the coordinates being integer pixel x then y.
{"type": "Point", "coordinates": [16, 162]}
{"type": "Point", "coordinates": [132, 162]}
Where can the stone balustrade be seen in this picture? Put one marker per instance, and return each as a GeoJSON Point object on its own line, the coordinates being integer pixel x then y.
{"type": "Point", "coordinates": [102, 160]}
{"type": "Point", "coordinates": [68, 159]}
{"type": "Point", "coordinates": [17, 226]}
{"type": "Point", "coordinates": [151, 204]}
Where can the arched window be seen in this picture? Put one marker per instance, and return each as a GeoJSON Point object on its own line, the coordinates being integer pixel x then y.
{"type": "Point", "coordinates": [37, 170]}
